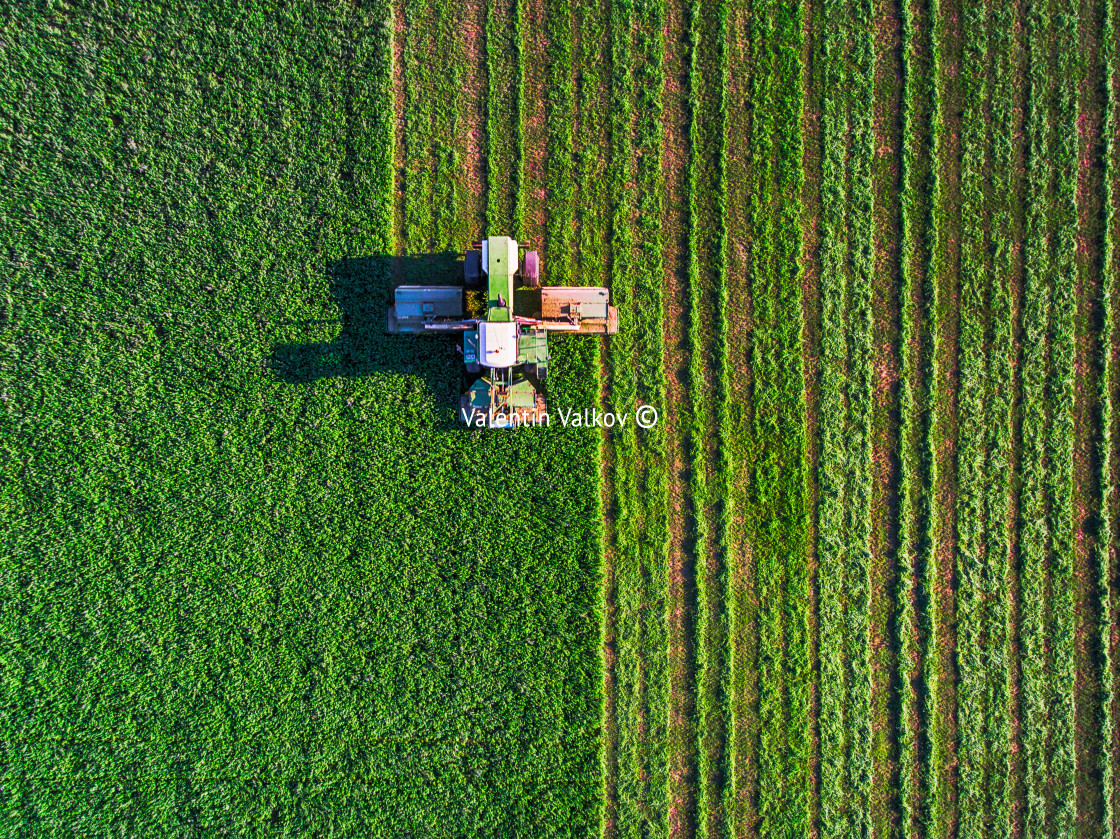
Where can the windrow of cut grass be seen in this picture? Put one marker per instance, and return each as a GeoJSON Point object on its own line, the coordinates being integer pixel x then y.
{"type": "Point", "coordinates": [701, 547]}
{"type": "Point", "coordinates": [985, 393]}
{"type": "Point", "coordinates": [883, 607]}
{"type": "Point", "coordinates": [916, 336]}
{"type": "Point", "coordinates": [771, 509]}
{"type": "Point", "coordinates": [737, 812]}
{"type": "Point", "coordinates": [639, 530]}
{"type": "Point", "coordinates": [1090, 544]}
{"type": "Point", "coordinates": [941, 670]}
{"type": "Point", "coordinates": [1047, 544]}
{"type": "Point", "coordinates": [845, 55]}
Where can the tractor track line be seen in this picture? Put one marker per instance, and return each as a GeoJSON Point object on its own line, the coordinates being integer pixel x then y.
{"type": "Point", "coordinates": [811, 268]}
{"type": "Point", "coordinates": [885, 439]}
{"type": "Point", "coordinates": [1089, 433]}
{"type": "Point", "coordinates": [947, 31]}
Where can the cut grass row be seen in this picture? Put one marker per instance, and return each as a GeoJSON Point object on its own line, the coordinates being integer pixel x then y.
{"type": "Point", "coordinates": [638, 788]}
{"type": "Point", "coordinates": [737, 812]}
{"type": "Point", "coordinates": [1047, 561]}
{"type": "Point", "coordinates": [707, 384]}
{"type": "Point", "coordinates": [773, 510]}
{"type": "Point", "coordinates": [914, 627]}
{"type": "Point", "coordinates": [845, 468]}
{"type": "Point", "coordinates": [941, 671]}
{"type": "Point", "coordinates": [985, 391]}
{"type": "Point", "coordinates": [883, 610]}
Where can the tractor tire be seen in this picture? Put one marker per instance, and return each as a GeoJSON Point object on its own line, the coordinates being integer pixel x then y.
{"type": "Point", "coordinates": [472, 269]}
{"type": "Point", "coordinates": [531, 270]}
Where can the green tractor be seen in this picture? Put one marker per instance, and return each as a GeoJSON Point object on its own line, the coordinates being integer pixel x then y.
{"type": "Point", "coordinates": [505, 353]}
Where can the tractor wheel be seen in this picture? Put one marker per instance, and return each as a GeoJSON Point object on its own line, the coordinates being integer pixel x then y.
{"type": "Point", "coordinates": [472, 269]}
{"type": "Point", "coordinates": [531, 270]}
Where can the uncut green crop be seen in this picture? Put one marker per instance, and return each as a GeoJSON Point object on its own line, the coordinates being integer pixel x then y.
{"type": "Point", "coordinates": [257, 581]}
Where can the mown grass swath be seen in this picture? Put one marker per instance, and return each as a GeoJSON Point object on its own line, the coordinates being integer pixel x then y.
{"type": "Point", "coordinates": [739, 805]}
{"type": "Point", "coordinates": [640, 533]}
{"type": "Point", "coordinates": [243, 573]}
{"type": "Point", "coordinates": [707, 384]}
{"type": "Point", "coordinates": [843, 549]}
{"type": "Point", "coordinates": [773, 513]}
{"type": "Point", "coordinates": [1047, 430]}
{"type": "Point", "coordinates": [983, 472]}
{"type": "Point", "coordinates": [942, 575]}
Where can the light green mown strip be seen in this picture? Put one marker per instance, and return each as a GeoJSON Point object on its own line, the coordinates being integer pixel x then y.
{"type": "Point", "coordinates": [985, 353]}
{"type": "Point", "coordinates": [638, 802]}
{"type": "Point", "coordinates": [741, 773]}
{"type": "Point", "coordinates": [944, 435]}
{"type": "Point", "coordinates": [646, 260]}
{"type": "Point", "coordinates": [707, 383]}
{"type": "Point", "coordinates": [503, 115]}
{"type": "Point", "coordinates": [915, 343]}
{"type": "Point", "coordinates": [1048, 668]}
{"type": "Point", "coordinates": [775, 510]}
{"type": "Point", "coordinates": [560, 113]}
{"type": "Point", "coordinates": [431, 168]}
{"type": "Point", "coordinates": [638, 457]}
{"type": "Point", "coordinates": [845, 54]}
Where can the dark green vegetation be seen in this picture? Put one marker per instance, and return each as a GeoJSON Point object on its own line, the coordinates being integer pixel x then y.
{"type": "Point", "coordinates": [860, 580]}
{"type": "Point", "coordinates": [255, 580]}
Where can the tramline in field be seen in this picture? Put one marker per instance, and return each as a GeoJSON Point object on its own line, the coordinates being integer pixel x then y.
{"type": "Point", "coordinates": [505, 346]}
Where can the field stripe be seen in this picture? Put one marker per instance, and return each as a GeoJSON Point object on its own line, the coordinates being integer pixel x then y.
{"type": "Point", "coordinates": [985, 376]}
{"type": "Point", "coordinates": [915, 456]}
{"type": "Point", "coordinates": [736, 815]}
{"type": "Point", "coordinates": [473, 130]}
{"type": "Point", "coordinates": [1047, 435]}
{"type": "Point", "coordinates": [676, 161]}
{"type": "Point", "coordinates": [844, 535]}
{"type": "Point", "coordinates": [773, 511]}
{"type": "Point", "coordinates": [503, 114]}
{"type": "Point", "coordinates": [811, 269]}
{"type": "Point", "coordinates": [942, 666]}
{"type": "Point", "coordinates": [886, 472]}
{"type": "Point", "coordinates": [1018, 187]}
{"type": "Point", "coordinates": [707, 379]}
{"type": "Point", "coordinates": [636, 792]}
{"type": "Point", "coordinates": [1090, 704]}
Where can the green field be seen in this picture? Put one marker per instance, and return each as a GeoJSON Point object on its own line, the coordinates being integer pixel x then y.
{"type": "Point", "coordinates": [256, 581]}
{"type": "Point", "coordinates": [861, 580]}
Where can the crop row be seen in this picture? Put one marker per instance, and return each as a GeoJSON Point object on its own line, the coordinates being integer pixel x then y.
{"type": "Point", "coordinates": [1047, 548]}
{"type": "Point", "coordinates": [845, 386]}
{"type": "Point", "coordinates": [985, 390]}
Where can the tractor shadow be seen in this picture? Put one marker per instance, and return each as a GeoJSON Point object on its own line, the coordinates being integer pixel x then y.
{"type": "Point", "coordinates": [362, 288]}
